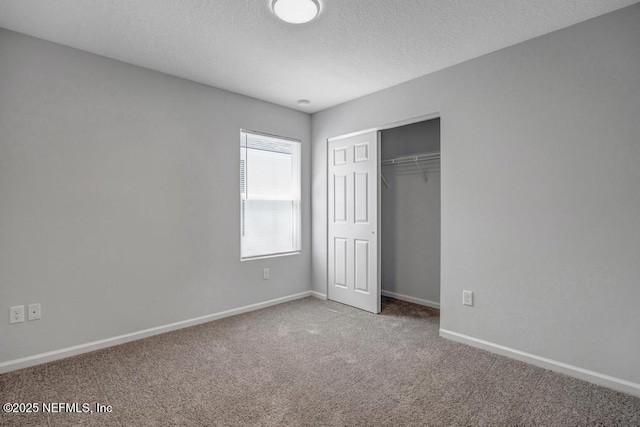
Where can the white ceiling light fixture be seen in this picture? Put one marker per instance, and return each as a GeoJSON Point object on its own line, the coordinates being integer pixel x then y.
{"type": "Point", "coordinates": [296, 11]}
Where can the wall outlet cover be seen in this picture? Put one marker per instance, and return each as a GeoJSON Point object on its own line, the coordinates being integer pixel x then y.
{"type": "Point", "coordinates": [33, 311]}
{"type": "Point", "coordinates": [265, 274]}
{"type": "Point", "coordinates": [467, 298]}
{"type": "Point", "coordinates": [16, 314]}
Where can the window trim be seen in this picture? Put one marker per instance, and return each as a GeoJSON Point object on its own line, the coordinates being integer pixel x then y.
{"type": "Point", "coordinates": [298, 211]}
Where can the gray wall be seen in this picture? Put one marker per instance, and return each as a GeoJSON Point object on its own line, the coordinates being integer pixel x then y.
{"type": "Point", "coordinates": [421, 137]}
{"type": "Point", "coordinates": [119, 193]}
{"type": "Point", "coordinates": [540, 200]}
{"type": "Point", "coordinates": [410, 208]}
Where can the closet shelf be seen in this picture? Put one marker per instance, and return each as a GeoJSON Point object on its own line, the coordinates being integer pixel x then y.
{"type": "Point", "coordinates": [411, 159]}
{"type": "Point", "coordinates": [418, 163]}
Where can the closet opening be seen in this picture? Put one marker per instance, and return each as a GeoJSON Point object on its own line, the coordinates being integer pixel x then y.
{"type": "Point", "coordinates": [410, 212]}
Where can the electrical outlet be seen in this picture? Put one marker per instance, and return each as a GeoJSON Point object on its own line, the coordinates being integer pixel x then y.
{"type": "Point", "coordinates": [467, 298]}
{"type": "Point", "coordinates": [265, 274]}
{"type": "Point", "coordinates": [33, 311]}
{"type": "Point", "coordinates": [16, 314]}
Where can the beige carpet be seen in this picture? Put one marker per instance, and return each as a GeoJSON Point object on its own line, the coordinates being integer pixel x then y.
{"type": "Point", "coordinates": [311, 362]}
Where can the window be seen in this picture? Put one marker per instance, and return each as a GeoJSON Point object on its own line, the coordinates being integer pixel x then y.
{"type": "Point", "coordinates": [269, 195]}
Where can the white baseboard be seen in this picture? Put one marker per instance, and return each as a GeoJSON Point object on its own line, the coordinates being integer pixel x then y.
{"type": "Point", "coordinates": [414, 300]}
{"type": "Point", "coordinates": [553, 365]}
{"type": "Point", "coordinates": [62, 353]}
{"type": "Point", "coordinates": [319, 295]}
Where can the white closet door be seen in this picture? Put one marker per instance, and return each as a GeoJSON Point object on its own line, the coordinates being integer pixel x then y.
{"type": "Point", "coordinates": [353, 229]}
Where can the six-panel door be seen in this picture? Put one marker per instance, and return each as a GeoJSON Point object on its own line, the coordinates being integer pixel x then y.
{"type": "Point", "coordinates": [353, 221]}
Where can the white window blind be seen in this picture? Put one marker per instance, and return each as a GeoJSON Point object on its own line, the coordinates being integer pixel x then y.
{"type": "Point", "coordinates": [270, 195]}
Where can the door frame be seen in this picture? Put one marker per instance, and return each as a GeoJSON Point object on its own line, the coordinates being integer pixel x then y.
{"type": "Point", "coordinates": [376, 129]}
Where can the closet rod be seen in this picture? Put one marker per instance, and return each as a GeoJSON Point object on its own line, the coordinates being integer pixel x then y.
{"type": "Point", "coordinates": [411, 159]}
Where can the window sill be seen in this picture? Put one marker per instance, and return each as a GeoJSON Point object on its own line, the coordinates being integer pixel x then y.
{"type": "Point", "coordinates": [270, 256]}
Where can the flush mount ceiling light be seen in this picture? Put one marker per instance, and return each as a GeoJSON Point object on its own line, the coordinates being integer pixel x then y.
{"type": "Point", "coordinates": [296, 11]}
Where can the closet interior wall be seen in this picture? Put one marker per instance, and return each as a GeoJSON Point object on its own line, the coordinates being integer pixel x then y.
{"type": "Point", "coordinates": [410, 214]}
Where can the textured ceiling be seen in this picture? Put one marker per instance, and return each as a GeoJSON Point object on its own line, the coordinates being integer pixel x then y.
{"type": "Point", "coordinates": [354, 48]}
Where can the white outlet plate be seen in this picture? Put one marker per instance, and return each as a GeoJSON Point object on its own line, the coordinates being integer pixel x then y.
{"type": "Point", "coordinates": [265, 274]}
{"type": "Point", "coordinates": [16, 314]}
{"type": "Point", "coordinates": [33, 311]}
{"type": "Point", "coordinates": [467, 298]}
